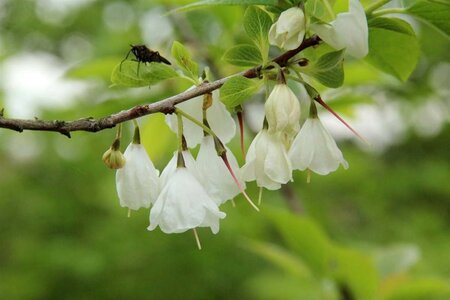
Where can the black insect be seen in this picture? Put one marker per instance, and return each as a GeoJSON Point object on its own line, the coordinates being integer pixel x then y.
{"type": "Point", "coordinates": [145, 55]}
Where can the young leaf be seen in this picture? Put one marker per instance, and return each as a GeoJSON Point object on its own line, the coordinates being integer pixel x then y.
{"type": "Point", "coordinates": [205, 3]}
{"type": "Point", "coordinates": [243, 56]}
{"type": "Point", "coordinates": [328, 70]}
{"type": "Point", "coordinates": [393, 47]}
{"type": "Point", "coordinates": [238, 89]}
{"type": "Point", "coordinates": [257, 24]}
{"type": "Point", "coordinates": [184, 60]}
{"type": "Point", "coordinates": [435, 13]}
{"type": "Point", "coordinates": [149, 74]}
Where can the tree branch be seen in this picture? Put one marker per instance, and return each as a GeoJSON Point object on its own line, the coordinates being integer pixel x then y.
{"type": "Point", "coordinates": [166, 106]}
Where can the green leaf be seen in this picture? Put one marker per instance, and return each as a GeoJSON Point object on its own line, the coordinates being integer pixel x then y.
{"type": "Point", "coordinates": [184, 60]}
{"type": "Point", "coordinates": [433, 12]}
{"type": "Point", "coordinates": [356, 272]}
{"type": "Point", "coordinates": [257, 24]}
{"type": "Point", "coordinates": [243, 56]}
{"type": "Point", "coordinates": [149, 74]}
{"type": "Point", "coordinates": [206, 3]}
{"type": "Point", "coordinates": [320, 10]}
{"type": "Point", "coordinates": [238, 89]}
{"type": "Point", "coordinates": [304, 237]}
{"type": "Point", "coordinates": [420, 289]}
{"type": "Point", "coordinates": [328, 69]}
{"type": "Point", "coordinates": [278, 285]}
{"type": "Point", "coordinates": [393, 47]}
{"type": "Point", "coordinates": [280, 257]}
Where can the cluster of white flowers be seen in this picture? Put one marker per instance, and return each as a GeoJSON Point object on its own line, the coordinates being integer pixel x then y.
{"type": "Point", "coordinates": [281, 146]}
{"type": "Point", "coordinates": [190, 190]}
{"type": "Point", "coordinates": [349, 30]}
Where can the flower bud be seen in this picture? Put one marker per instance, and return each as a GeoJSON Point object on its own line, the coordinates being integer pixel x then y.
{"type": "Point", "coordinates": [282, 110]}
{"type": "Point", "coordinates": [113, 158]}
{"type": "Point", "coordinates": [288, 32]}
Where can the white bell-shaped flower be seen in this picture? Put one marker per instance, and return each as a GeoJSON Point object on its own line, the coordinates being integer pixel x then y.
{"type": "Point", "coordinates": [184, 204]}
{"type": "Point", "coordinates": [282, 110]}
{"type": "Point", "coordinates": [170, 168]}
{"type": "Point", "coordinates": [315, 149]}
{"type": "Point", "coordinates": [349, 30]}
{"type": "Point", "coordinates": [218, 117]}
{"type": "Point", "coordinates": [267, 161]}
{"type": "Point", "coordinates": [288, 32]}
{"type": "Point", "coordinates": [218, 181]}
{"type": "Point", "coordinates": [137, 182]}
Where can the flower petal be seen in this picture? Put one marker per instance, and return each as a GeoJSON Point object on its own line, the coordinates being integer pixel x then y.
{"type": "Point", "coordinates": [137, 182]}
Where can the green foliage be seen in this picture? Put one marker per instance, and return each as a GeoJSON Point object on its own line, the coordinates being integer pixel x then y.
{"type": "Point", "coordinates": [244, 56]}
{"type": "Point", "coordinates": [433, 12]}
{"type": "Point", "coordinates": [149, 74]}
{"type": "Point", "coordinates": [280, 257]}
{"type": "Point", "coordinates": [184, 60]}
{"type": "Point", "coordinates": [354, 271]}
{"type": "Point", "coordinates": [393, 47]}
{"type": "Point", "coordinates": [320, 9]}
{"type": "Point", "coordinates": [421, 289]}
{"type": "Point", "coordinates": [328, 69]}
{"type": "Point", "coordinates": [206, 3]}
{"type": "Point", "coordinates": [257, 25]}
{"type": "Point", "coordinates": [238, 89]}
{"type": "Point", "coordinates": [304, 238]}
{"type": "Point", "coordinates": [351, 270]}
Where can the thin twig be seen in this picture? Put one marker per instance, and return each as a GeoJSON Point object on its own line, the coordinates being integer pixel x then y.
{"type": "Point", "coordinates": [166, 106]}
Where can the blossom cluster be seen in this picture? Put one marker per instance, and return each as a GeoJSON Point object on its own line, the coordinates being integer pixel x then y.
{"type": "Point", "coordinates": [190, 190]}
{"type": "Point", "coordinates": [282, 146]}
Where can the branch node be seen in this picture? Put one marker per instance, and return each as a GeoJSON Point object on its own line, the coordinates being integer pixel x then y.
{"type": "Point", "coordinates": [65, 133]}
{"type": "Point", "coordinates": [168, 110]}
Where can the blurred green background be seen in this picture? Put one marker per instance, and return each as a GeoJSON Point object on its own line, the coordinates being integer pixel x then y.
{"type": "Point", "coordinates": [379, 230]}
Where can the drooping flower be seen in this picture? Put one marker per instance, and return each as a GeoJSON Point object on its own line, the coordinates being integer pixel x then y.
{"type": "Point", "coordinates": [218, 117]}
{"type": "Point", "coordinates": [282, 110]}
{"type": "Point", "coordinates": [267, 161]}
{"type": "Point", "coordinates": [184, 204]}
{"type": "Point", "coordinates": [137, 182]}
{"type": "Point", "coordinates": [315, 149]}
{"type": "Point", "coordinates": [170, 168]}
{"type": "Point", "coordinates": [288, 32]}
{"type": "Point", "coordinates": [349, 30]}
{"type": "Point", "coordinates": [218, 181]}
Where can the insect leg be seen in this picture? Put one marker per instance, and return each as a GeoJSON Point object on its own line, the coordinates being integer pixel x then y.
{"type": "Point", "coordinates": [126, 57]}
{"type": "Point", "coordinates": [139, 64]}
